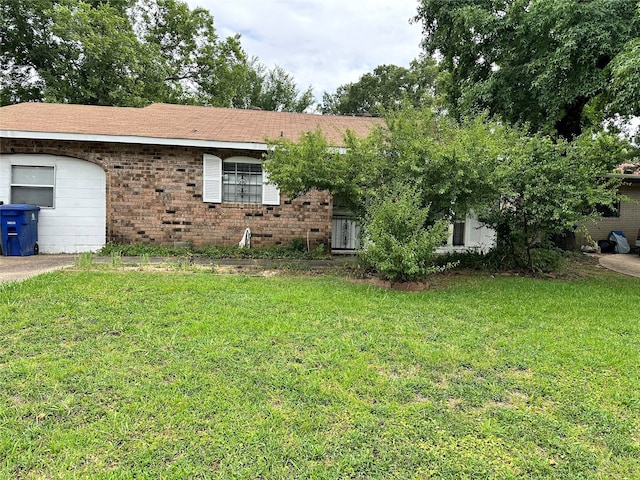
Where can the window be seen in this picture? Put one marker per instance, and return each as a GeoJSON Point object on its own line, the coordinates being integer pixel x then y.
{"type": "Point", "coordinates": [237, 180]}
{"type": "Point", "coordinates": [608, 212]}
{"type": "Point", "coordinates": [458, 233]}
{"type": "Point", "coordinates": [241, 182]}
{"type": "Point", "coordinates": [32, 185]}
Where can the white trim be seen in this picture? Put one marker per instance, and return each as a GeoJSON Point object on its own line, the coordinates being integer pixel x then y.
{"type": "Point", "coordinates": [213, 175]}
{"type": "Point", "coordinates": [476, 237]}
{"type": "Point", "coordinates": [130, 139]}
{"type": "Point", "coordinates": [241, 159]}
{"type": "Point", "coordinates": [271, 148]}
{"type": "Point", "coordinates": [179, 142]}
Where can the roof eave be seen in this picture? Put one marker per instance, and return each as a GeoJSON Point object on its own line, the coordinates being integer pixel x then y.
{"type": "Point", "coordinates": [626, 177]}
{"type": "Point", "coordinates": [130, 139]}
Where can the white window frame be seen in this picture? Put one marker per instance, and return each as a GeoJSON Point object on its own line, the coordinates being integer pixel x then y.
{"type": "Point", "coordinates": [212, 180]}
{"type": "Point", "coordinates": [28, 185]}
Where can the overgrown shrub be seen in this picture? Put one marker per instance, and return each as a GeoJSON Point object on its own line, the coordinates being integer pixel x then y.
{"type": "Point", "coordinates": [547, 260]}
{"type": "Point", "coordinates": [543, 260]}
{"type": "Point", "coordinates": [397, 243]}
{"type": "Point", "coordinates": [298, 244]}
{"type": "Point", "coordinates": [547, 186]}
{"type": "Point", "coordinates": [472, 260]}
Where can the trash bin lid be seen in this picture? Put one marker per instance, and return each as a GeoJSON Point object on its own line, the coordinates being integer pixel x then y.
{"type": "Point", "coordinates": [19, 206]}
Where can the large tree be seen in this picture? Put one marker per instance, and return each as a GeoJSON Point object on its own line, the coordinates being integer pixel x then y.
{"type": "Point", "coordinates": [130, 53]}
{"type": "Point", "coordinates": [624, 95]}
{"type": "Point", "coordinates": [72, 51]}
{"type": "Point", "coordinates": [450, 164]}
{"type": "Point", "coordinates": [403, 181]}
{"type": "Point", "coordinates": [386, 87]}
{"type": "Point", "coordinates": [276, 90]}
{"type": "Point", "coordinates": [196, 61]}
{"type": "Point", "coordinates": [532, 61]}
{"type": "Point", "coordinates": [423, 167]}
{"type": "Point", "coordinates": [96, 59]}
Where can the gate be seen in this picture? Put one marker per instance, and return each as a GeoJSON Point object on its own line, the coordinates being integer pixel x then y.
{"type": "Point", "coordinates": [345, 234]}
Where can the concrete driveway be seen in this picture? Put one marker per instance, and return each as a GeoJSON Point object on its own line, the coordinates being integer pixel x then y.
{"type": "Point", "coordinates": [19, 268]}
{"type": "Point", "coordinates": [628, 264]}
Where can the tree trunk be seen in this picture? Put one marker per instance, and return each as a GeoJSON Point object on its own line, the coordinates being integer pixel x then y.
{"type": "Point", "coordinates": [569, 126]}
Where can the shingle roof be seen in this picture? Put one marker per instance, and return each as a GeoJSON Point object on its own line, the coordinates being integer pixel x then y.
{"type": "Point", "coordinates": [164, 121]}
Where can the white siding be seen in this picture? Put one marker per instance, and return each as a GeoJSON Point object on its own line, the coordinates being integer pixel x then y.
{"type": "Point", "coordinates": [476, 237]}
{"type": "Point", "coordinates": [77, 223]}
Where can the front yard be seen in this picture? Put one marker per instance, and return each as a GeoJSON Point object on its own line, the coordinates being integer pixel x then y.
{"type": "Point", "coordinates": [195, 375]}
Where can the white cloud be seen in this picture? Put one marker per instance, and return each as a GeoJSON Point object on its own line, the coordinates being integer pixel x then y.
{"type": "Point", "coordinates": [322, 43]}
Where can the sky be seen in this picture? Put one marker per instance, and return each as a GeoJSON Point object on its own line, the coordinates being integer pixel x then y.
{"type": "Point", "coordinates": [322, 43]}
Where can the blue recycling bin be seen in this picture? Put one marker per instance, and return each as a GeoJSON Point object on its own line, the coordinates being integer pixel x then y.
{"type": "Point", "coordinates": [19, 229]}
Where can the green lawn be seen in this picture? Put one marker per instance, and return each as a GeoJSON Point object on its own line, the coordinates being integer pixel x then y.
{"type": "Point", "coordinates": [196, 375]}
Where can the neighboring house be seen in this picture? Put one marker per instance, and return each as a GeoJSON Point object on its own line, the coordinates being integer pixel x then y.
{"type": "Point", "coordinates": [164, 174]}
{"type": "Point", "coordinates": [625, 217]}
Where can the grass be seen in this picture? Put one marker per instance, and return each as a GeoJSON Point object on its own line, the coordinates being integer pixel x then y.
{"type": "Point", "coordinates": [297, 249]}
{"type": "Point", "coordinates": [195, 375]}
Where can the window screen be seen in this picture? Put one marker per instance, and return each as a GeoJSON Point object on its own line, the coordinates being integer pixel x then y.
{"type": "Point", "coordinates": [242, 182]}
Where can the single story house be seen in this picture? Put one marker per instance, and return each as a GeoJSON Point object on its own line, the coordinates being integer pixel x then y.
{"type": "Point", "coordinates": [164, 174]}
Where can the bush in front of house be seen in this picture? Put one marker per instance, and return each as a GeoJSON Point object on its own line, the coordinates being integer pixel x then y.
{"type": "Point", "coordinates": [396, 241]}
{"type": "Point", "coordinates": [544, 259]}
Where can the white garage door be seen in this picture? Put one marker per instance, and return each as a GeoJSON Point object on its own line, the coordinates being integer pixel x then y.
{"type": "Point", "coordinates": [70, 192]}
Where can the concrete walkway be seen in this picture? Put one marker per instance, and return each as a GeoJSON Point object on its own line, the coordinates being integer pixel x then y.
{"type": "Point", "coordinates": [627, 264]}
{"type": "Point", "coordinates": [19, 268]}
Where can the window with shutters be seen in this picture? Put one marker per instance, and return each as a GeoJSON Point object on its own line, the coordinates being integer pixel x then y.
{"type": "Point", "coordinates": [241, 182]}
{"type": "Point", "coordinates": [237, 180]}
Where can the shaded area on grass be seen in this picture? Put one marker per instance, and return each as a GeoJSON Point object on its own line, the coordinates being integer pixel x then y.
{"type": "Point", "coordinates": [138, 374]}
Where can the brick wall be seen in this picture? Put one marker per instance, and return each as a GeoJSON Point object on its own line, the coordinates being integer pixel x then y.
{"type": "Point", "coordinates": [628, 221]}
{"type": "Point", "coordinates": [154, 196]}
